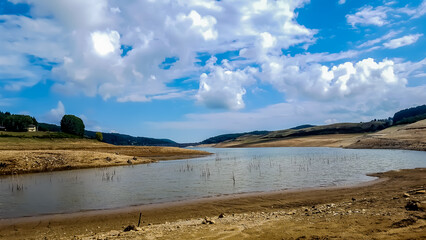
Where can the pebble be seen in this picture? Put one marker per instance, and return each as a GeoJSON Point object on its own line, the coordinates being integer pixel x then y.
{"type": "Point", "coordinates": [208, 221]}
{"type": "Point", "coordinates": [421, 192]}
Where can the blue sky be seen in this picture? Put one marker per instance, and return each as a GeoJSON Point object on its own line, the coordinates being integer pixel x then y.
{"type": "Point", "coordinates": [190, 69]}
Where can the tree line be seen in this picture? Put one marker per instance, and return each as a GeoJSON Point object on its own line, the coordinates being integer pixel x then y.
{"type": "Point", "coordinates": [16, 122]}
{"type": "Point", "coordinates": [20, 123]}
{"type": "Point", "coordinates": [410, 115]}
{"type": "Point", "coordinates": [74, 125]}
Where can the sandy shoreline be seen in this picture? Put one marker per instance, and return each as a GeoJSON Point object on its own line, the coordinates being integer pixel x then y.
{"type": "Point", "coordinates": [183, 220]}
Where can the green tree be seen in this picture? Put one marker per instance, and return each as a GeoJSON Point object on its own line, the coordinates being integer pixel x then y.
{"type": "Point", "coordinates": [16, 123]}
{"type": "Point", "coordinates": [99, 136]}
{"type": "Point", "coordinates": [410, 115]}
{"type": "Point", "coordinates": [73, 125]}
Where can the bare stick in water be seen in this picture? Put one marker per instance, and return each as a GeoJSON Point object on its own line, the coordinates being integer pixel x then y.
{"type": "Point", "coordinates": [140, 216]}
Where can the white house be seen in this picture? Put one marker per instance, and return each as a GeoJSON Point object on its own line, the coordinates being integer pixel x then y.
{"type": "Point", "coordinates": [31, 128]}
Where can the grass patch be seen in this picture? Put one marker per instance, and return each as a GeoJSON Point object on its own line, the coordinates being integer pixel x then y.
{"type": "Point", "coordinates": [41, 135]}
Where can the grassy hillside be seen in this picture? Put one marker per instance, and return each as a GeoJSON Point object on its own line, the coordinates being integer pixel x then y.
{"type": "Point", "coordinates": [117, 138]}
{"type": "Point", "coordinates": [232, 136]}
{"type": "Point", "coordinates": [337, 128]}
{"type": "Point", "coordinates": [410, 115]}
{"type": "Point", "coordinates": [338, 131]}
{"type": "Point", "coordinates": [39, 135]}
{"type": "Point", "coordinates": [123, 139]}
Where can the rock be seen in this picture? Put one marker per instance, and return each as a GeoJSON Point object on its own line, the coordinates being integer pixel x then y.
{"type": "Point", "coordinates": [208, 221]}
{"type": "Point", "coordinates": [414, 206]}
{"type": "Point", "coordinates": [108, 159]}
{"type": "Point", "coordinates": [222, 215]}
{"type": "Point", "coordinates": [406, 195]}
{"type": "Point", "coordinates": [130, 228]}
{"type": "Point", "coordinates": [404, 223]}
{"type": "Point", "coordinates": [114, 233]}
{"type": "Point", "coordinates": [421, 192]}
{"type": "Point", "coordinates": [138, 229]}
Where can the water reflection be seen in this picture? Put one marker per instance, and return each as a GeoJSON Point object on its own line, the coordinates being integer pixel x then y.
{"type": "Point", "coordinates": [226, 172]}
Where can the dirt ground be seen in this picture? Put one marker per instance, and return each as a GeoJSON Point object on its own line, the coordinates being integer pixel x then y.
{"type": "Point", "coordinates": [411, 137]}
{"type": "Point", "coordinates": [25, 155]}
{"type": "Point", "coordinates": [376, 210]}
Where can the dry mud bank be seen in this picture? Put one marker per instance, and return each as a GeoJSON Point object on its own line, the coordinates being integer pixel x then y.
{"type": "Point", "coordinates": [19, 156]}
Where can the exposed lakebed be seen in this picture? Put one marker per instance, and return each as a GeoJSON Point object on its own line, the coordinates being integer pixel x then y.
{"type": "Point", "coordinates": [228, 171]}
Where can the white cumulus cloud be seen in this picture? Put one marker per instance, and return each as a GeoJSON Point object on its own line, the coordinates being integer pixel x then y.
{"type": "Point", "coordinates": [105, 43]}
{"type": "Point", "coordinates": [223, 87]}
{"type": "Point", "coordinates": [81, 41]}
{"type": "Point", "coordinates": [55, 114]}
{"type": "Point", "coordinates": [318, 82]}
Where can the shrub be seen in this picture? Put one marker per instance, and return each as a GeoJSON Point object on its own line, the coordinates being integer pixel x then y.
{"type": "Point", "coordinates": [73, 125]}
{"type": "Point", "coordinates": [99, 136]}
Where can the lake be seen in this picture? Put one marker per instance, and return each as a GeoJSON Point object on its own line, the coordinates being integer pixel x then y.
{"type": "Point", "coordinates": [228, 171]}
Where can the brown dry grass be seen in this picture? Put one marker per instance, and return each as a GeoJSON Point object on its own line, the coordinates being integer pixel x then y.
{"type": "Point", "coordinates": [331, 140]}
{"type": "Point", "coordinates": [411, 137]}
{"type": "Point", "coordinates": [25, 155]}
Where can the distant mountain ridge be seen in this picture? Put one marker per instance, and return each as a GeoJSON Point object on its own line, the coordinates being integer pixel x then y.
{"type": "Point", "coordinates": [405, 116]}
{"type": "Point", "coordinates": [305, 131]}
{"type": "Point", "coordinates": [117, 138]}
{"type": "Point", "coordinates": [123, 139]}
{"type": "Point", "coordinates": [303, 126]}
{"type": "Point", "coordinates": [231, 136]}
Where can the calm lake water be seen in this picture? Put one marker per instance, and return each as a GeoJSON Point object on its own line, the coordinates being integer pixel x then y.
{"type": "Point", "coordinates": [228, 171]}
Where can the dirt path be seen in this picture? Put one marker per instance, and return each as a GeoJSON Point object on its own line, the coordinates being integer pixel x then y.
{"type": "Point", "coordinates": [372, 211]}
